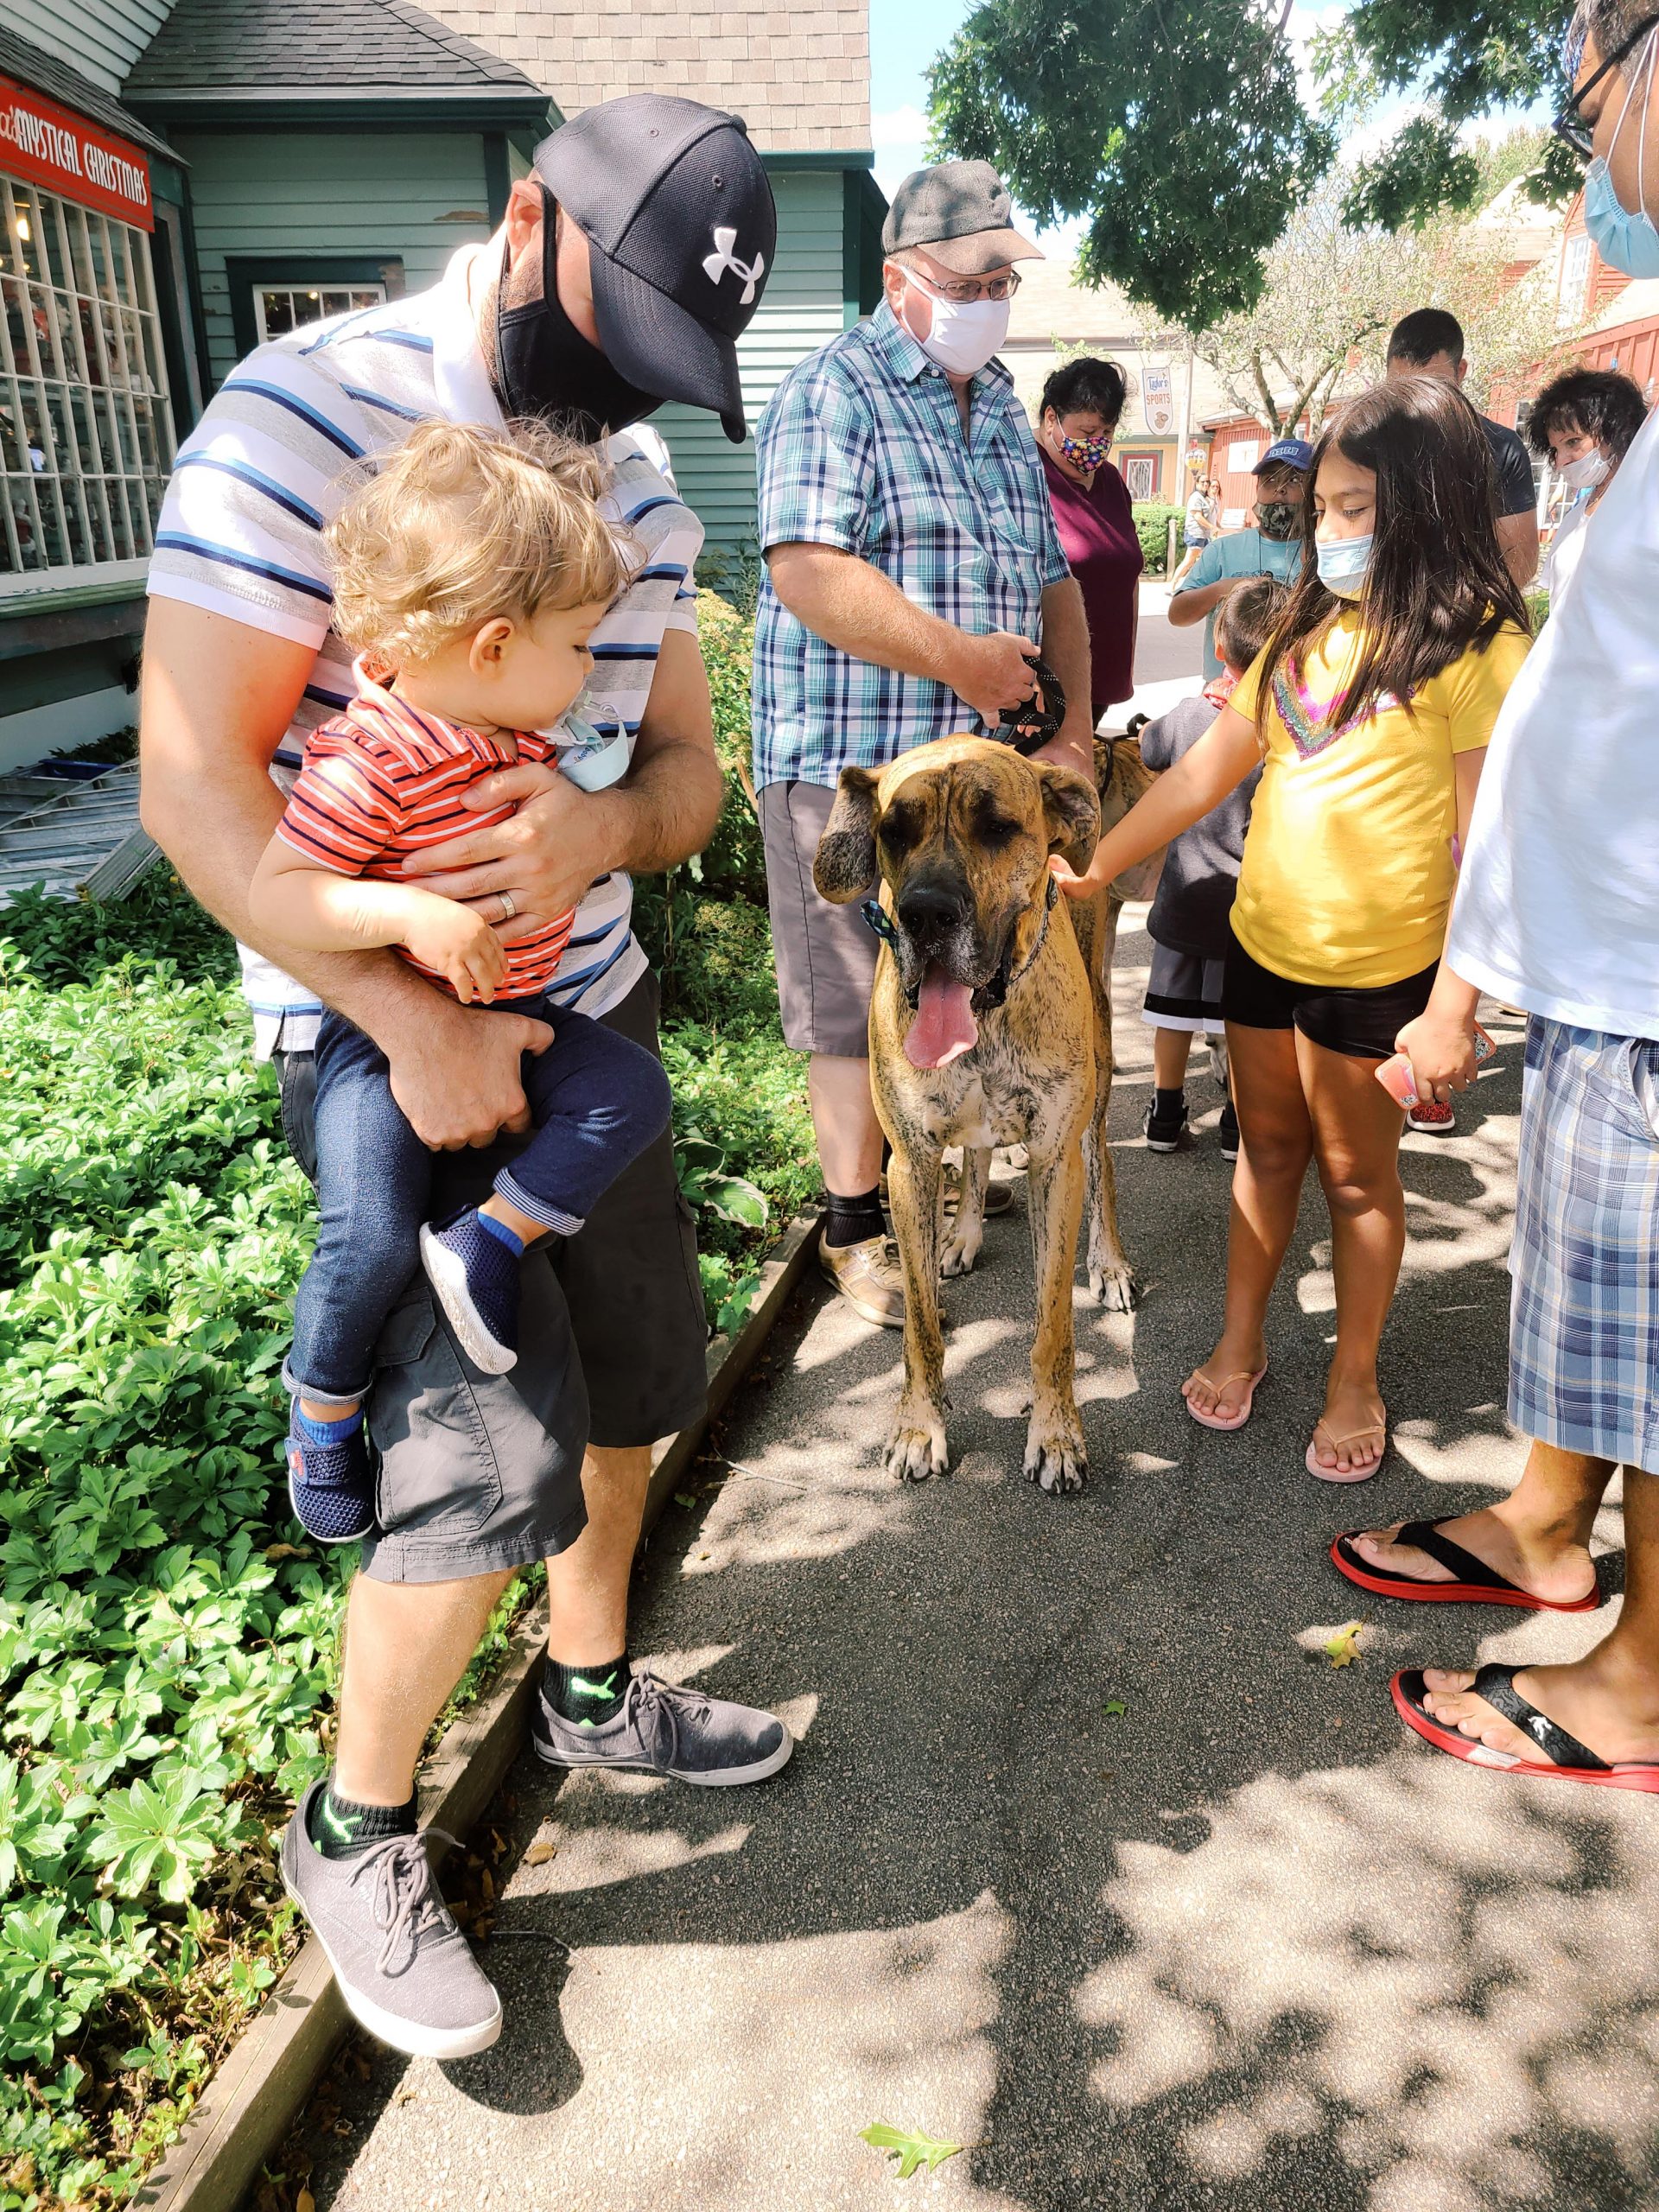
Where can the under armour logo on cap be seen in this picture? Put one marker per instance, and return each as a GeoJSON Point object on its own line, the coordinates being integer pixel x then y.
{"type": "Point", "coordinates": [723, 258]}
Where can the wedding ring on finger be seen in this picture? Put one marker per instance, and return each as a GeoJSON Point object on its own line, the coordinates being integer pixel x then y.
{"type": "Point", "coordinates": [509, 906]}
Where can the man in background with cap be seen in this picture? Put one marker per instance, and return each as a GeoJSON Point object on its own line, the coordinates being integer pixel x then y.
{"type": "Point", "coordinates": [1270, 546]}
{"type": "Point", "coordinates": [626, 266]}
{"type": "Point", "coordinates": [912, 566]}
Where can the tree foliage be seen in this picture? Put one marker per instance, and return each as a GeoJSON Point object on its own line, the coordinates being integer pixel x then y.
{"type": "Point", "coordinates": [1333, 293]}
{"type": "Point", "coordinates": [1174, 126]}
{"type": "Point", "coordinates": [1178, 129]}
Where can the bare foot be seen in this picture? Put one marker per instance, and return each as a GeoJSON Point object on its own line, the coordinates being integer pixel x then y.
{"type": "Point", "coordinates": [1221, 1388]}
{"type": "Point", "coordinates": [1351, 1434]}
{"type": "Point", "coordinates": [1612, 1709]}
{"type": "Point", "coordinates": [1560, 1570]}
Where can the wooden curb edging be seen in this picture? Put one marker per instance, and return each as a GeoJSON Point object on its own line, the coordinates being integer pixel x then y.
{"type": "Point", "coordinates": [272, 2068]}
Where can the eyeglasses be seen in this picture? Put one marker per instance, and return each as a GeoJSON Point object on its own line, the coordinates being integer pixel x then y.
{"type": "Point", "coordinates": [1569, 125]}
{"type": "Point", "coordinates": [964, 290]}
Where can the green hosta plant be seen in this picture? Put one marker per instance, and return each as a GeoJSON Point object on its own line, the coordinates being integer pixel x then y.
{"type": "Point", "coordinates": [707, 1184]}
{"type": "Point", "coordinates": [160, 1835]}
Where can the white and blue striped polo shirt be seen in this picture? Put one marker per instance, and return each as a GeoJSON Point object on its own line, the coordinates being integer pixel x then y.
{"type": "Point", "coordinates": [290, 433]}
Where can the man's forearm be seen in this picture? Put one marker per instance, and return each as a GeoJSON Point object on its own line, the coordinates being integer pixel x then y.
{"type": "Point", "coordinates": [855, 608]}
{"type": "Point", "coordinates": [664, 811]}
{"type": "Point", "coordinates": [214, 834]}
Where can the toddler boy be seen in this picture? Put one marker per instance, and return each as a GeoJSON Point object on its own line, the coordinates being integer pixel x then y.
{"type": "Point", "coordinates": [469, 574]}
{"type": "Point", "coordinates": [1188, 923]}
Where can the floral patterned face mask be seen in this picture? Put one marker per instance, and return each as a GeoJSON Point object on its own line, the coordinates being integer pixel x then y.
{"type": "Point", "coordinates": [1083, 453]}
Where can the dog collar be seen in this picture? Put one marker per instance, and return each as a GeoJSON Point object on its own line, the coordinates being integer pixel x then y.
{"type": "Point", "coordinates": [989, 995]}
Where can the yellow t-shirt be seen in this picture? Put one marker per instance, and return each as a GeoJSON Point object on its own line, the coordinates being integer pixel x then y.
{"type": "Point", "coordinates": [1348, 873]}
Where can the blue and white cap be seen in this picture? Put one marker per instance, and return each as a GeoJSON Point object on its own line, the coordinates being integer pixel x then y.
{"type": "Point", "coordinates": [1296, 451]}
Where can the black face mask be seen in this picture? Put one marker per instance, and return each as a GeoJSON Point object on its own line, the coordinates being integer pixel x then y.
{"type": "Point", "coordinates": [544, 366]}
{"type": "Point", "coordinates": [1278, 518]}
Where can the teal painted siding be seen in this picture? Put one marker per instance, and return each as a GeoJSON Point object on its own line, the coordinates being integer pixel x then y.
{"type": "Point", "coordinates": [354, 193]}
{"type": "Point", "coordinates": [802, 309]}
{"type": "Point", "coordinates": [101, 38]}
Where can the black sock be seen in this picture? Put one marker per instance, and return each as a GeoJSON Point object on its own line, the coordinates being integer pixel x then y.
{"type": "Point", "coordinates": [338, 1827]}
{"type": "Point", "coordinates": [1169, 1102]}
{"type": "Point", "coordinates": [588, 1695]}
{"type": "Point", "coordinates": [854, 1221]}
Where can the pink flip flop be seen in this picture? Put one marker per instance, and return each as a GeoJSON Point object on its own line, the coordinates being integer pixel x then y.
{"type": "Point", "coordinates": [1214, 1420]}
{"type": "Point", "coordinates": [1377, 1428]}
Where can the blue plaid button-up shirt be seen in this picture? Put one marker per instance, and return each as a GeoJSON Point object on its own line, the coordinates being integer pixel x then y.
{"type": "Point", "coordinates": [863, 448]}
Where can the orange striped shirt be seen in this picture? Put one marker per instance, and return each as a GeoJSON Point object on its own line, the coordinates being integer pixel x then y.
{"type": "Point", "coordinates": [383, 780]}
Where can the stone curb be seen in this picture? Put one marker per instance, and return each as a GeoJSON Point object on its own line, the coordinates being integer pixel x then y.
{"type": "Point", "coordinates": [266, 2076]}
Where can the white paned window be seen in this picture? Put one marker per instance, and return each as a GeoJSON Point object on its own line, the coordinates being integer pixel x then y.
{"type": "Point", "coordinates": [1141, 475]}
{"type": "Point", "coordinates": [279, 309]}
{"type": "Point", "coordinates": [1575, 278]}
{"type": "Point", "coordinates": [1242, 455]}
{"type": "Point", "coordinates": [86, 431]}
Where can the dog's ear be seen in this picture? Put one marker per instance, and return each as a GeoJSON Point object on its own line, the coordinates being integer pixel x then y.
{"type": "Point", "coordinates": [1071, 807]}
{"type": "Point", "coordinates": [845, 866]}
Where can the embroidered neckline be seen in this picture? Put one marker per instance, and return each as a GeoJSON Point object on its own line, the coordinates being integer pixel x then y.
{"type": "Point", "coordinates": [1307, 719]}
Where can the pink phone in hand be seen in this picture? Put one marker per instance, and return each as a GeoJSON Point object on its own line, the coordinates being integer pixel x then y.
{"type": "Point", "coordinates": [1395, 1075]}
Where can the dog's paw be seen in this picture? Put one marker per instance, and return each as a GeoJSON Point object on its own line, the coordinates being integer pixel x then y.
{"type": "Point", "coordinates": [962, 1250]}
{"type": "Point", "coordinates": [1055, 1457]}
{"type": "Point", "coordinates": [916, 1446]}
{"type": "Point", "coordinates": [1113, 1286]}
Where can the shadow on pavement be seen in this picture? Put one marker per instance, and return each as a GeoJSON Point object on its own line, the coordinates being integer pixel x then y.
{"type": "Point", "coordinates": [1089, 1859]}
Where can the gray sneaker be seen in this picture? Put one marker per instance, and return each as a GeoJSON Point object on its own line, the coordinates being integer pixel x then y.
{"type": "Point", "coordinates": [662, 1729]}
{"type": "Point", "coordinates": [403, 1967]}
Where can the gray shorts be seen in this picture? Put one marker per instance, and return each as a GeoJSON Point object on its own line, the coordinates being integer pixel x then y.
{"type": "Point", "coordinates": [482, 1471]}
{"type": "Point", "coordinates": [825, 955]}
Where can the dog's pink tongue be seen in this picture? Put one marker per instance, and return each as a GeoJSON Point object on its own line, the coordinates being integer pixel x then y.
{"type": "Point", "coordinates": [945, 1027]}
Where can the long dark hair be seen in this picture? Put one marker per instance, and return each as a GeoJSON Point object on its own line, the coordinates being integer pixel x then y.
{"type": "Point", "coordinates": [1437, 583]}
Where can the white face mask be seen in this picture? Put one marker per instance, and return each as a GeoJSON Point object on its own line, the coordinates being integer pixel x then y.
{"type": "Point", "coordinates": [1586, 472]}
{"type": "Point", "coordinates": [964, 336]}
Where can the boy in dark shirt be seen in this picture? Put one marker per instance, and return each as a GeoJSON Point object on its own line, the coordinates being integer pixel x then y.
{"type": "Point", "coordinates": [1188, 923]}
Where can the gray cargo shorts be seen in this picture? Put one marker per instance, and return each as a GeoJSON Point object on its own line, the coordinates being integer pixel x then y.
{"type": "Point", "coordinates": [825, 955]}
{"type": "Point", "coordinates": [478, 1472]}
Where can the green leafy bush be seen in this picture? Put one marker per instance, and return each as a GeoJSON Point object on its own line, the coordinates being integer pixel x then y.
{"type": "Point", "coordinates": [1152, 521]}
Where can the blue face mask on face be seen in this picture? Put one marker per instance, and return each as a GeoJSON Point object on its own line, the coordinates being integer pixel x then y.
{"type": "Point", "coordinates": [1342, 563]}
{"type": "Point", "coordinates": [1625, 240]}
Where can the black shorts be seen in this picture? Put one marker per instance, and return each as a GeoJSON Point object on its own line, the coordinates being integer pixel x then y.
{"type": "Point", "coordinates": [1362, 1025]}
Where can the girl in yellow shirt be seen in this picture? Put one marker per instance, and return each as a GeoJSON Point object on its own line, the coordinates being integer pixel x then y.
{"type": "Point", "coordinates": [1369, 713]}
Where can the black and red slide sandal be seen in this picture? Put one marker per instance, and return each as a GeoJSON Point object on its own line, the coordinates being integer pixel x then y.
{"type": "Point", "coordinates": [1476, 1583]}
{"type": "Point", "coordinates": [1565, 1759]}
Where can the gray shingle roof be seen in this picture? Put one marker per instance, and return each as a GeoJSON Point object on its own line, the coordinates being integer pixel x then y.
{"type": "Point", "coordinates": [297, 48]}
{"type": "Point", "coordinates": [44, 73]}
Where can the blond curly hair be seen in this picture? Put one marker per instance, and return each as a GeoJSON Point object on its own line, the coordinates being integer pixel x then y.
{"type": "Point", "coordinates": [464, 523]}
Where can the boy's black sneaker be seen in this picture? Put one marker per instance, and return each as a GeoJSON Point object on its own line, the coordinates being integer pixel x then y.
{"type": "Point", "coordinates": [330, 1486]}
{"type": "Point", "coordinates": [476, 1278]}
{"type": "Point", "coordinates": [1228, 1131]}
{"type": "Point", "coordinates": [1166, 1126]}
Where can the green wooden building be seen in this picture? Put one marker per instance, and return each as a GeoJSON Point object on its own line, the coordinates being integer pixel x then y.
{"type": "Point", "coordinates": [180, 179]}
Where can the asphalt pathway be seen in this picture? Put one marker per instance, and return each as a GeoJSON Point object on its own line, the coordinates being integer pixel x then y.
{"type": "Point", "coordinates": [1242, 1944]}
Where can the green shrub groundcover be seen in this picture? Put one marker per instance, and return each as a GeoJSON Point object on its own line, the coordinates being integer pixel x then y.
{"type": "Point", "coordinates": [167, 1639]}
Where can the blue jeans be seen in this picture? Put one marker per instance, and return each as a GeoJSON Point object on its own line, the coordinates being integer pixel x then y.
{"type": "Point", "coordinates": [597, 1101]}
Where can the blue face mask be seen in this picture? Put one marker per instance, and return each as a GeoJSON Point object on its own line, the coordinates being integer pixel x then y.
{"type": "Point", "coordinates": [1342, 563]}
{"type": "Point", "coordinates": [1625, 240]}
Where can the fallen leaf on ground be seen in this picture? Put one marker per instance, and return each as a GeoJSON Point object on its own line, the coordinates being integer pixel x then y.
{"type": "Point", "coordinates": [305, 2202]}
{"type": "Point", "coordinates": [910, 2149]}
{"type": "Point", "coordinates": [1114, 1709]}
{"type": "Point", "coordinates": [1342, 1649]}
{"type": "Point", "coordinates": [683, 1498]}
{"type": "Point", "coordinates": [274, 1552]}
{"type": "Point", "coordinates": [402, 2094]}
{"type": "Point", "coordinates": [539, 1853]}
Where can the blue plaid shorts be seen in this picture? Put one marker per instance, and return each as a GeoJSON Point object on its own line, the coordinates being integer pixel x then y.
{"type": "Point", "coordinates": [1583, 1317]}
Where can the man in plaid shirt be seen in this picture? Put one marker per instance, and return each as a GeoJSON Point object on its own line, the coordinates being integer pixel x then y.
{"type": "Point", "coordinates": [911, 565]}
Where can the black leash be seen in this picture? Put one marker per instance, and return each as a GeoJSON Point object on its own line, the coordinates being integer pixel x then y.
{"type": "Point", "coordinates": [1026, 728]}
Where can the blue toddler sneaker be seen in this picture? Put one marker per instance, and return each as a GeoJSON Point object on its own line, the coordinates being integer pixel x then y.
{"type": "Point", "coordinates": [330, 1485]}
{"type": "Point", "coordinates": [475, 1275]}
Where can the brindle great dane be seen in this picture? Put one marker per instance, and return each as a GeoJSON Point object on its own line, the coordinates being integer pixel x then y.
{"type": "Point", "coordinates": [990, 1023]}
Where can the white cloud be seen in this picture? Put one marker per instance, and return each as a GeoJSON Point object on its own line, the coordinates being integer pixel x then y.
{"type": "Point", "coordinates": [898, 126]}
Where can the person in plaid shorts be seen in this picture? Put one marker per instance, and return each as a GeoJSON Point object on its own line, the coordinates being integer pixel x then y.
{"type": "Point", "coordinates": [1557, 912]}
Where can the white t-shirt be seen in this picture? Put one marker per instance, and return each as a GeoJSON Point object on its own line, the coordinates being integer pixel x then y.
{"type": "Point", "coordinates": [1558, 910]}
{"type": "Point", "coordinates": [1566, 552]}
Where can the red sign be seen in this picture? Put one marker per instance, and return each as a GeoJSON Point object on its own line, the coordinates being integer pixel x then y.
{"type": "Point", "coordinates": [54, 146]}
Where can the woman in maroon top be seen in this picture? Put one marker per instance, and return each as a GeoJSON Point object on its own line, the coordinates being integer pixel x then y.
{"type": "Point", "coordinates": [1076, 424]}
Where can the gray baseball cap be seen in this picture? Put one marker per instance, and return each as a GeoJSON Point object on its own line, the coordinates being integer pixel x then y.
{"type": "Point", "coordinates": [959, 211]}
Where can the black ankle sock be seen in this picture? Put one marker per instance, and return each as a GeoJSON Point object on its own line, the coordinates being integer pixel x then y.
{"type": "Point", "coordinates": [338, 1827]}
{"type": "Point", "coordinates": [854, 1221]}
{"type": "Point", "coordinates": [1168, 1101]}
{"type": "Point", "coordinates": [593, 1695]}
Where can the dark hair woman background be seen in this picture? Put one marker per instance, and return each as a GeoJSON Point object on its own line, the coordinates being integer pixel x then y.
{"type": "Point", "coordinates": [1077, 421]}
{"type": "Point", "coordinates": [1584, 423]}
